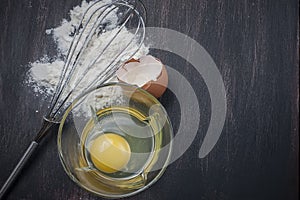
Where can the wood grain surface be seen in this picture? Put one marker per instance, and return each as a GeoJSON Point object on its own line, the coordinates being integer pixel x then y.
{"type": "Point", "coordinates": [254, 43]}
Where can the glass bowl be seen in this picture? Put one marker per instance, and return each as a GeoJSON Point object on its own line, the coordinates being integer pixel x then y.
{"type": "Point", "coordinates": [128, 112]}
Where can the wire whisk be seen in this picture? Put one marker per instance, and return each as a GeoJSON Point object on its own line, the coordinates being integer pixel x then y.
{"type": "Point", "coordinates": [96, 22]}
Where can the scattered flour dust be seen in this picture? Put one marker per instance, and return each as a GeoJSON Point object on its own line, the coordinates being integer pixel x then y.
{"type": "Point", "coordinates": [45, 72]}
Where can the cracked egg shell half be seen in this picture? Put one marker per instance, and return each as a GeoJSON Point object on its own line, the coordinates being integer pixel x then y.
{"type": "Point", "coordinates": [147, 72]}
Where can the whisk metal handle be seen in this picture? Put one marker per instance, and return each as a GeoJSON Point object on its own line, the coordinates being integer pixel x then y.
{"type": "Point", "coordinates": [26, 156]}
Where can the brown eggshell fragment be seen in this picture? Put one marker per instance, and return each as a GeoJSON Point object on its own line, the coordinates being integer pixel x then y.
{"type": "Point", "coordinates": [158, 87]}
{"type": "Point", "coordinates": [155, 87]}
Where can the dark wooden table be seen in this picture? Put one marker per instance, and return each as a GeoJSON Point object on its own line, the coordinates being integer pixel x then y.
{"type": "Point", "coordinates": [254, 43]}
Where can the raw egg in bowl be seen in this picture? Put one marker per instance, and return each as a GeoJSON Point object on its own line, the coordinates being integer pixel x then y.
{"type": "Point", "coordinates": [115, 140]}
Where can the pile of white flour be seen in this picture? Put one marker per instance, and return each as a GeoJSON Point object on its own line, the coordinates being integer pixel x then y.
{"type": "Point", "coordinates": [44, 75]}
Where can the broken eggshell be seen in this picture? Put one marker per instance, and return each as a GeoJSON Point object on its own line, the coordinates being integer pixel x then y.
{"type": "Point", "coordinates": [148, 72]}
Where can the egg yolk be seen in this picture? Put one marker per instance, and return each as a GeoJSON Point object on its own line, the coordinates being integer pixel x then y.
{"type": "Point", "coordinates": [110, 152]}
